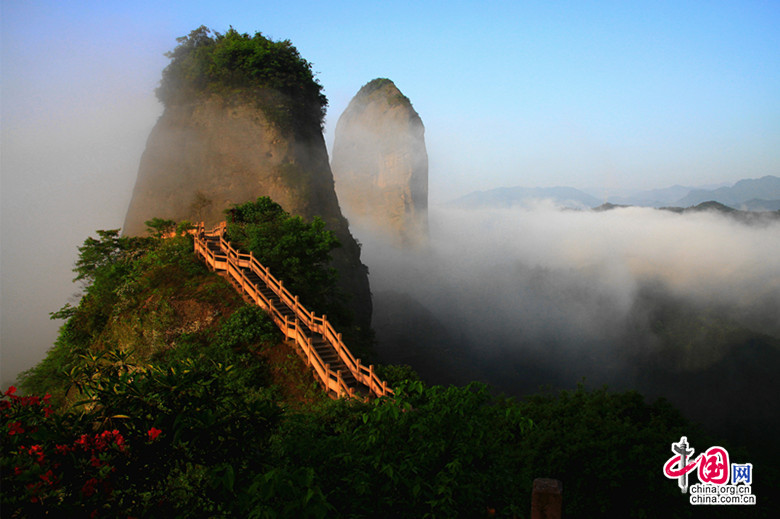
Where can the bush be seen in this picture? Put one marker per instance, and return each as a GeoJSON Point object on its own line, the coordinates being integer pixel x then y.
{"type": "Point", "coordinates": [296, 252]}
{"type": "Point", "coordinates": [146, 441]}
{"type": "Point", "coordinates": [429, 452]}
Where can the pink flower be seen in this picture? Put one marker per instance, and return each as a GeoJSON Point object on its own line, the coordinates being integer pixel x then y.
{"type": "Point", "coordinates": [30, 400]}
{"type": "Point", "coordinates": [49, 477]}
{"type": "Point", "coordinates": [83, 441]}
{"type": "Point", "coordinates": [89, 487]}
{"type": "Point", "coordinates": [62, 449]}
{"type": "Point", "coordinates": [36, 451]}
{"type": "Point", "coordinates": [34, 488]}
{"type": "Point", "coordinates": [154, 433]}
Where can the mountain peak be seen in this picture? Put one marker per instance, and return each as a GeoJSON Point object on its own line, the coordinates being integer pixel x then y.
{"type": "Point", "coordinates": [380, 164]}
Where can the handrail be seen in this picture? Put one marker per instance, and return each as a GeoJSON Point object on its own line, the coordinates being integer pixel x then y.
{"type": "Point", "coordinates": [233, 261]}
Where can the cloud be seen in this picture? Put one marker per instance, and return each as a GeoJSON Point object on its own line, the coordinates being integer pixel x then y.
{"type": "Point", "coordinates": [548, 296]}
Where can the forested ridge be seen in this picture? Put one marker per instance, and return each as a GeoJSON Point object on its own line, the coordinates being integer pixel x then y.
{"type": "Point", "coordinates": [166, 393]}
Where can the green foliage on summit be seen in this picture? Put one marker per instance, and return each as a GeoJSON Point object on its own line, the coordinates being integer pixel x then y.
{"type": "Point", "coordinates": [386, 88]}
{"type": "Point", "coordinates": [240, 67]}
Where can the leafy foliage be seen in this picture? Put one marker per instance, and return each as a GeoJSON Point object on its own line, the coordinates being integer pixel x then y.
{"type": "Point", "coordinates": [131, 288]}
{"type": "Point", "coordinates": [608, 449]}
{"type": "Point", "coordinates": [185, 439]}
{"type": "Point", "coordinates": [429, 452]}
{"type": "Point", "coordinates": [182, 411]}
{"type": "Point", "coordinates": [237, 66]}
{"type": "Point", "coordinates": [179, 417]}
{"type": "Point", "coordinates": [295, 251]}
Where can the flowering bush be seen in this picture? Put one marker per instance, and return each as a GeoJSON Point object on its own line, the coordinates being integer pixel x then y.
{"type": "Point", "coordinates": [45, 465]}
{"type": "Point", "coordinates": [145, 440]}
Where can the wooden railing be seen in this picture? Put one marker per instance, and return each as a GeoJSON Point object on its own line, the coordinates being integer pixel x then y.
{"type": "Point", "coordinates": [237, 263]}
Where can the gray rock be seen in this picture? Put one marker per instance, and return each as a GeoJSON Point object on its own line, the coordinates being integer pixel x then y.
{"type": "Point", "coordinates": [380, 164]}
{"type": "Point", "coordinates": [202, 158]}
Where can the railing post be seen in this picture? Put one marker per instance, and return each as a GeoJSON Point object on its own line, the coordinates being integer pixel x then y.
{"type": "Point", "coordinates": [546, 499]}
{"type": "Point", "coordinates": [213, 243]}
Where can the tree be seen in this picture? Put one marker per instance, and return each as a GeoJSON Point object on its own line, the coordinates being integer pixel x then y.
{"type": "Point", "coordinates": [237, 66]}
{"type": "Point", "coordinates": [297, 252]}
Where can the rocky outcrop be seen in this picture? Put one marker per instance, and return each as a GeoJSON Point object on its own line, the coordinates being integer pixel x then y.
{"type": "Point", "coordinates": [203, 157]}
{"type": "Point", "coordinates": [381, 166]}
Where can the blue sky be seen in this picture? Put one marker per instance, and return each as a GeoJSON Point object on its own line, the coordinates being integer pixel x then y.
{"type": "Point", "coordinates": [605, 96]}
{"type": "Point", "coordinates": [589, 94]}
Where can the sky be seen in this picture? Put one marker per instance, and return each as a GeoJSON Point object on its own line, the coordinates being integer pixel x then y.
{"type": "Point", "coordinates": [602, 96]}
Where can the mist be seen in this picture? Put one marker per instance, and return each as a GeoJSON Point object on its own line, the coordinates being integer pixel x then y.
{"type": "Point", "coordinates": [64, 177]}
{"type": "Point", "coordinates": [635, 298]}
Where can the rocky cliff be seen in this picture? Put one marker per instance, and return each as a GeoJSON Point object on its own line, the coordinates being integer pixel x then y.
{"type": "Point", "coordinates": [231, 143]}
{"type": "Point", "coordinates": [380, 164]}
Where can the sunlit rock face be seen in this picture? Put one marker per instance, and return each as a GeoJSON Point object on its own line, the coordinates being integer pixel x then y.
{"type": "Point", "coordinates": [203, 157]}
{"type": "Point", "coordinates": [381, 166]}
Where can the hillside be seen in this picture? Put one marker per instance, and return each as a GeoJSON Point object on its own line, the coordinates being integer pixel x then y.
{"type": "Point", "coordinates": [243, 119]}
{"type": "Point", "coordinates": [748, 217]}
{"type": "Point", "coordinates": [177, 398]}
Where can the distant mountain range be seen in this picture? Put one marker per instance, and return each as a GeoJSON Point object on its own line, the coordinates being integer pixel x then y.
{"type": "Point", "coordinates": [744, 216]}
{"type": "Point", "coordinates": [654, 197]}
{"type": "Point", "coordinates": [762, 194]}
{"type": "Point", "coordinates": [505, 197]}
{"type": "Point", "coordinates": [748, 190]}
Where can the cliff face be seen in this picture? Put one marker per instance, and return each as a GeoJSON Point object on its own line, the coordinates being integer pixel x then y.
{"type": "Point", "coordinates": [381, 166]}
{"type": "Point", "coordinates": [203, 157]}
{"type": "Point", "coordinates": [200, 159]}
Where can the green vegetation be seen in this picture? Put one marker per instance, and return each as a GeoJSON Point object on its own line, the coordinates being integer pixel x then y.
{"type": "Point", "coordinates": [240, 68]}
{"type": "Point", "coordinates": [143, 295]}
{"type": "Point", "coordinates": [387, 86]}
{"type": "Point", "coordinates": [296, 252]}
{"type": "Point", "coordinates": [166, 402]}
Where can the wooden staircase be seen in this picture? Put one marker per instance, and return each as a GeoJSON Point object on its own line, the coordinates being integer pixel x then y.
{"type": "Point", "coordinates": [334, 366]}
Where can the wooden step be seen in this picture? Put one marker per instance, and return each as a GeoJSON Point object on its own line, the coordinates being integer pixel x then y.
{"type": "Point", "coordinates": [325, 350]}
